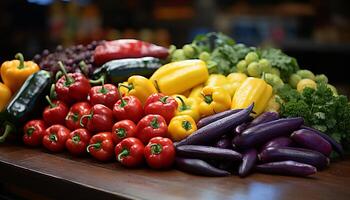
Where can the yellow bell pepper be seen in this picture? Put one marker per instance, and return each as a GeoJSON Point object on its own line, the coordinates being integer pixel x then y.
{"type": "Point", "coordinates": [186, 93]}
{"type": "Point", "coordinates": [140, 87]}
{"type": "Point", "coordinates": [177, 77]}
{"type": "Point", "coordinates": [5, 95]}
{"type": "Point", "coordinates": [235, 80]}
{"type": "Point", "coordinates": [181, 127]}
{"type": "Point", "coordinates": [124, 90]}
{"type": "Point", "coordinates": [187, 106]}
{"type": "Point", "coordinates": [15, 72]}
{"type": "Point", "coordinates": [252, 90]}
{"type": "Point", "coordinates": [196, 93]}
{"type": "Point", "coordinates": [220, 80]}
{"type": "Point", "coordinates": [214, 100]}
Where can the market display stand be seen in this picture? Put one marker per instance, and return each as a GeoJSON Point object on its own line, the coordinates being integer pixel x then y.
{"type": "Point", "coordinates": [42, 175]}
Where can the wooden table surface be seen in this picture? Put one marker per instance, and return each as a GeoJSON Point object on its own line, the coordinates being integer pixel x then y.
{"type": "Point", "coordinates": [59, 175]}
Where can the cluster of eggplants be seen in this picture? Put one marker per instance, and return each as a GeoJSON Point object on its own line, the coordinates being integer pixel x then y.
{"type": "Point", "coordinates": [230, 142]}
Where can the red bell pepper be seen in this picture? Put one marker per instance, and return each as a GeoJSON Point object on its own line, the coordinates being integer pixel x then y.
{"type": "Point", "coordinates": [127, 48]}
{"type": "Point", "coordinates": [101, 146]}
{"type": "Point", "coordinates": [160, 153]}
{"type": "Point", "coordinates": [128, 107]}
{"type": "Point", "coordinates": [151, 126]}
{"type": "Point", "coordinates": [55, 138]}
{"type": "Point", "coordinates": [129, 152]}
{"type": "Point", "coordinates": [107, 94]}
{"type": "Point", "coordinates": [100, 119]}
{"type": "Point", "coordinates": [162, 105]}
{"type": "Point", "coordinates": [74, 115]}
{"type": "Point", "coordinates": [123, 129]}
{"type": "Point", "coordinates": [72, 87]}
{"type": "Point", "coordinates": [34, 131]}
{"type": "Point", "coordinates": [78, 141]}
{"type": "Point", "coordinates": [55, 112]}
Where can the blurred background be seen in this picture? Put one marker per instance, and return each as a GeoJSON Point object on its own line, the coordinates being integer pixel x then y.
{"type": "Point", "coordinates": [316, 32]}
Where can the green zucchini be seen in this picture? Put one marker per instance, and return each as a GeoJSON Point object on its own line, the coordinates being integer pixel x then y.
{"type": "Point", "coordinates": [120, 70]}
{"type": "Point", "coordinates": [26, 103]}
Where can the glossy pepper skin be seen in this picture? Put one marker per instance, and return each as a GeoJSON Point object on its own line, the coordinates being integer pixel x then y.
{"type": "Point", "coordinates": [101, 146]}
{"type": "Point", "coordinates": [123, 129]}
{"type": "Point", "coordinates": [219, 80]}
{"type": "Point", "coordinates": [187, 106]}
{"type": "Point", "coordinates": [75, 113]}
{"type": "Point", "coordinates": [34, 131]}
{"type": "Point", "coordinates": [160, 153]}
{"type": "Point", "coordinates": [140, 87]}
{"type": "Point", "coordinates": [77, 141]}
{"type": "Point", "coordinates": [151, 126]}
{"type": "Point", "coordinates": [195, 93]}
{"type": "Point", "coordinates": [177, 77]}
{"type": "Point", "coordinates": [181, 126]}
{"type": "Point", "coordinates": [214, 100]}
{"type": "Point", "coordinates": [128, 107]}
{"type": "Point", "coordinates": [55, 112]}
{"type": "Point", "coordinates": [55, 138]}
{"type": "Point", "coordinates": [252, 90]}
{"type": "Point", "coordinates": [235, 80]}
{"type": "Point", "coordinates": [15, 72]}
{"type": "Point", "coordinates": [100, 119]}
{"type": "Point", "coordinates": [106, 94]}
{"type": "Point", "coordinates": [130, 152]}
{"type": "Point", "coordinates": [72, 87]}
{"type": "Point", "coordinates": [5, 95]}
{"type": "Point", "coordinates": [127, 48]}
{"type": "Point", "coordinates": [25, 103]}
{"type": "Point", "coordinates": [162, 105]}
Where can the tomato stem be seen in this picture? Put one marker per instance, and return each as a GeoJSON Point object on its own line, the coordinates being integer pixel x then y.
{"type": "Point", "coordinates": [121, 133]}
{"type": "Point", "coordinates": [154, 123]}
{"type": "Point", "coordinates": [69, 80]}
{"type": "Point", "coordinates": [95, 145]}
{"type": "Point", "coordinates": [52, 105]}
{"type": "Point", "coordinates": [123, 153]}
{"type": "Point", "coordinates": [30, 131]}
{"type": "Point", "coordinates": [156, 148]}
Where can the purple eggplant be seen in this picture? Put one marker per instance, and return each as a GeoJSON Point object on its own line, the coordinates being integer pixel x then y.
{"type": "Point", "coordinates": [206, 152]}
{"type": "Point", "coordinates": [278, 142]}
{"type": "Point", "coordinates": [199, 167]}
{"type": "Point", "coordinates": [215, 130]}
{"type": "Point", "coordinates": [225, 142]}
{"type": "Point", "coordinates": [335, 145]}
{"type": "Point", "coordinates": [311, 140]}
{"type": "Point", "coordinates": [263, 118]}
{"type": "Point", "coordinates": [260, 134]}
{"type": "Point", "coordinates": [212, 118]}
{"type": "Point", "coordinates": [307, 156]}
{"type": "Point", "coordinates": [248, 162]}
{"type": "Point", "coordinates": [290, 168]}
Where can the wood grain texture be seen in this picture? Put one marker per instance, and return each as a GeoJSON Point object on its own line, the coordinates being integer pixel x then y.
{"type": "Point", "coordinates": [61, 176]}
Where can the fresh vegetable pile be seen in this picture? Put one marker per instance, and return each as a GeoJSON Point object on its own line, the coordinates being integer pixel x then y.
{"type": "Point", "coordinates": [212, 108]}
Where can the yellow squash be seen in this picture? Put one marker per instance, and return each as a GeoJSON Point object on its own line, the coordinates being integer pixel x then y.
{"type": "Point", "coordinates": [178, 77]}
{"type": "Point", "coordinates": [252, 90]}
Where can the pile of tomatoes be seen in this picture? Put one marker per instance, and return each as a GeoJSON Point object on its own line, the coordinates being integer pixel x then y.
{"type": "Point", "coordinates": [105, 124]}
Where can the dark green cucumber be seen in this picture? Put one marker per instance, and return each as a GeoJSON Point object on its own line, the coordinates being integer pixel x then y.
{"type": "Point", "coordinates": [120, 70]}
{"type": "Point", "coordinates": [27, 102]}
